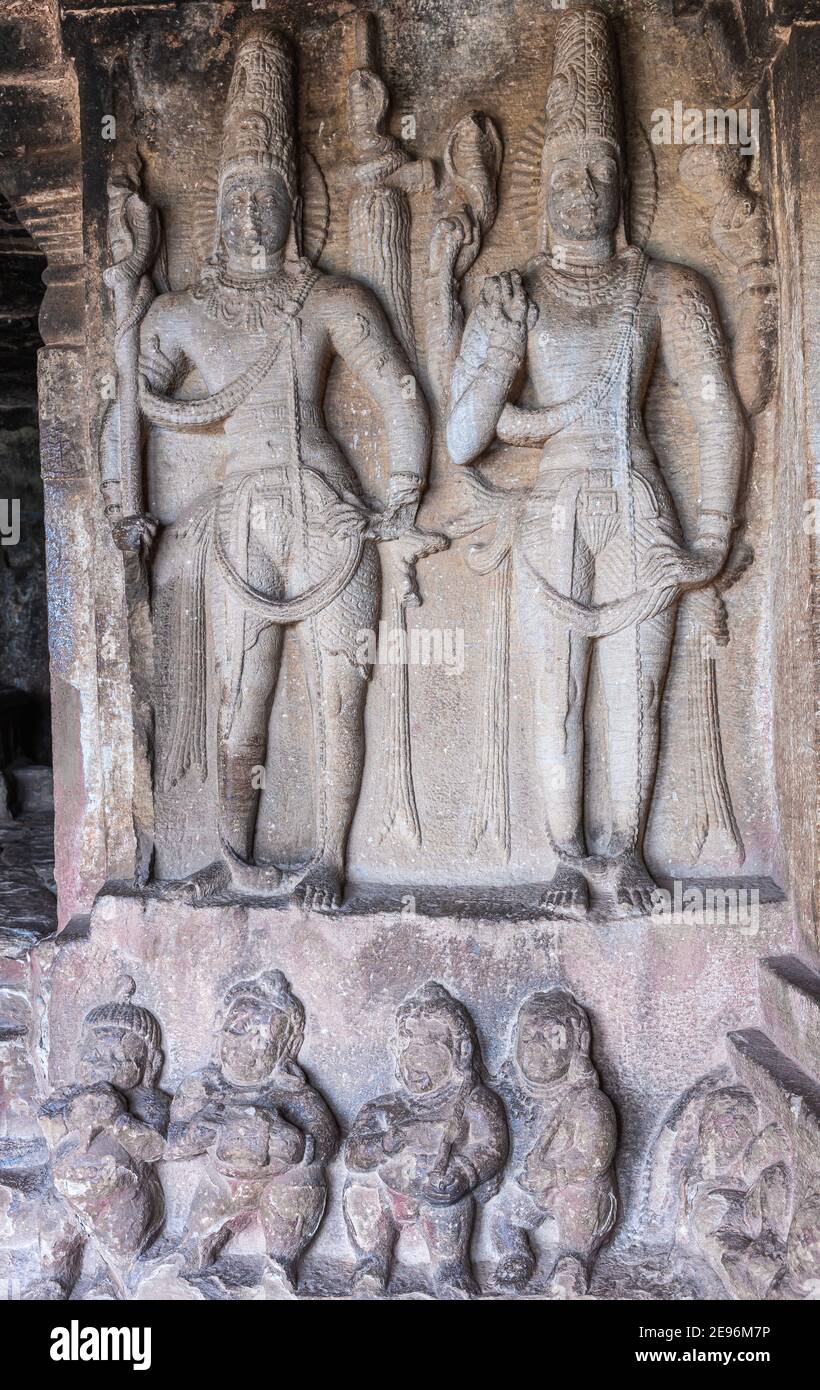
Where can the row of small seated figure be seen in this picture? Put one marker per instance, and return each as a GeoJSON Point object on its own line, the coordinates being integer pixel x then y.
{"type": "Point", "coordinates": [538, 1145]}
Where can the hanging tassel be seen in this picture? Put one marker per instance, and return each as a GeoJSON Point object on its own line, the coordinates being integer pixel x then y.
{"type": "Point", "coordinates": [712, 812]}
{"type": "Point", "coordinates": [400, 813]}
{"type": "Point", "coordinates": [491, 808]}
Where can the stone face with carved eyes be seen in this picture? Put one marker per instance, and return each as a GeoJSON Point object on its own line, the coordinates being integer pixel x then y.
{"type": "Point", "coordinates": [255, 219]}
{"type": "Point", "coordinates": [583, 193]}
{"type": "Point", "coordinates": [263, 1132]}
{"type": "Point", "coordinates": [423, 1154]}
{"type": "Point", "coordinates": [564, 1136]}
{"type": "Point", "coordinates": [111, 1054]}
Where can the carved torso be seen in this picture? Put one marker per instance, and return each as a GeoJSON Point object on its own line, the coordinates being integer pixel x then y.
{"type": "Point", "coordinates": [260, 1130]}
{"type": "Point", "coordinates": [566, 348]}
{"type": "Point", "coordinates": [103, 1169]}
{"type": "Point", "coordinates": [337, 317]}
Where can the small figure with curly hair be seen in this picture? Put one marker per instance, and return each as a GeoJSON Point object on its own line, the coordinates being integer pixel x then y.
{"type": "Point", "coordinates": [266, 1133]}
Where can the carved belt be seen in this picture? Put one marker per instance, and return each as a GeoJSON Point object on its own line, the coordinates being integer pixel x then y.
{"type": "Point", "coordinates": [252, 423]}
{"type": "Point", "coordinates": [278, 610]}
{"type": "Point", "coordinates": [204, 526]}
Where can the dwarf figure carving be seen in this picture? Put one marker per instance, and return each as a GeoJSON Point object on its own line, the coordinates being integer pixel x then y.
{"type": "Point", "coordinates": [104, 1134]}
{"type": "Point", "coordinates": [801, 1276]}
{"type": "Point", "coordinates": [286, 540]}
{"type": "Point", "coordinates": [266, 1132]}
{"type": "Point", "coordinates": [736, 1195]}
{"type": "Point", "coordinates": [564, 1134]}
{"type": "Point", "coordinates": [598, 555]}
{"type": "Point", "coordinates": [424, 1154]}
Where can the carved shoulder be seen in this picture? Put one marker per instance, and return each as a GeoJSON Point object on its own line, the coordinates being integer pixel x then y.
{"type": "Point", "coordinates": [350, 310]}
{"type": "Point", "coordinates": [686, 305]}
{"type": "Point", "coordinates": [310, 1111]}
{"type": "Point", "coordinates": [194, 1092]}
{"type": "Point", "coordinates": [487, 1118]}
{"type": "Point", "coordinates": [693, 345]}
{"type": "Point", "coordinates": [169, 318]}
{"type": "Point", "coordinates": [596, 1115]}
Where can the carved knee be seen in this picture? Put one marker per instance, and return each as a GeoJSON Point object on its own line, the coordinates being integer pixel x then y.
{"type": "Point", "coordinates": [366, 1214]}
{"type": "Point", "coordinates": [290, 1215]}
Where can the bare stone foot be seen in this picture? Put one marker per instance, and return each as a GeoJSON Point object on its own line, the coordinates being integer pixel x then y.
{"type": "Point", "coordinates": [632, 885]}
{"type": "Point", "coordinates": [255, 880]}
{"type": "Point", "coordinates": [203, 883]}
{"type": "Point", "coordinates": [569, 1278]}
{"type": "Point", "coordinates": [454, 1280]}
{"type": "Point", "coordinates": [369, 1279]}
{"type": "Point", "coordinates": [322, 887]}
{"type": "Point", "coordinates": [567, 894]}
{"type": "Point", "coordinates": [284, 1270]}
{"type": "Point", "coordinates": [515, 1270]}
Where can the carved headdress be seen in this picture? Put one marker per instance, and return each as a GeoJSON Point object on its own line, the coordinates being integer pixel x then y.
{"type": "Point", "coordinates": [121, 1013]}
{"type": "Point", "coordinates": [432, 1000]}
{"type": "Point", "coordinates": [259, 124]}
{"type": "Point", "coordinates": [582, 101]}
{"type": "Point", "coordinates": [272, 991]}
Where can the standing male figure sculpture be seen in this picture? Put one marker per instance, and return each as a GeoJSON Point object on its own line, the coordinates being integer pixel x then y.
{"type": "Point", "coordinates": [286, 539]}
{"type": "Point", "coordinates": [598, 554]}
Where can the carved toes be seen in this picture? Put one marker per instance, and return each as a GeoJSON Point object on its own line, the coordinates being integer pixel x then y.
{"type": "Point", "coordinates": [514, 1271]}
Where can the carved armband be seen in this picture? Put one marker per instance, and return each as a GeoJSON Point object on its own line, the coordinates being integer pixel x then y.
{"type": "Point", "coordinates": [700, 328]}
{"type": "Point", "coordinates": [714, 527]}
{"type": "Point", "coordinates": [403, 488]}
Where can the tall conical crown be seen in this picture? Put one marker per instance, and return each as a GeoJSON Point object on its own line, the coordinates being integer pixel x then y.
{"type": "Point", "coordinates": [582, 101]}
{"type": "Point", "coordinates": [258, 130]}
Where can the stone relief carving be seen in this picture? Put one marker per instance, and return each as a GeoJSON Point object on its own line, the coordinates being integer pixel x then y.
{"type": "Point", "coordinates": [266, 1135]}
{"type": "Point", "coordinates": [736, 1194]}
{"type": "Point", "coordinates": [472, 160]}
{"type": "Point", "coordinates": [728, 1187]}
{"type": "Point", "coordinates": [384, 178]}
{"type": "Point", "coordinates": [718, 175]}
{"type": "Point", "coordinates": [473, 155]}
{"type": "Point", "coordinates": [135, 274]}
{"type": "Point", "coordinates": [564, 1135]}
{"type": "Point", "coordinates": [556, 357]}
{"type": "Point", "coordinates": [105, 1132]}
{"type": "Point", "coordinates": [425, 1154]}
{"type": "Point", "coordinates": [287, 538]}
{"type": "Point", "coordinates": [597, 550]}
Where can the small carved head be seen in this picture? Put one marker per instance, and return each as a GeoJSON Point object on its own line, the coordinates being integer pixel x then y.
{"type": "Point", "coordinates": [729, 1122]}
{"type": "Point", "coordinates": [435, 1041]}
{"type": "Point", "coordinates": [712, 170]}
{"type": "Point", "coordinates": [582, 191]}
{"type": "Point", "coordinates": [368, 102]}
{"type": "Point", "coordinates": [255, 219]}
{"type": "Point", "coordinates": [120, 1043]}
{"type": "Point", "coordinates": [550, 1030]}
{"type": "Point", "coordinates": [262, 1025]}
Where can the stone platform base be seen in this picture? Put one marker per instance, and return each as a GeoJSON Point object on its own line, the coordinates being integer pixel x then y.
{"type": "Point", "coordinates": [661, 999]}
